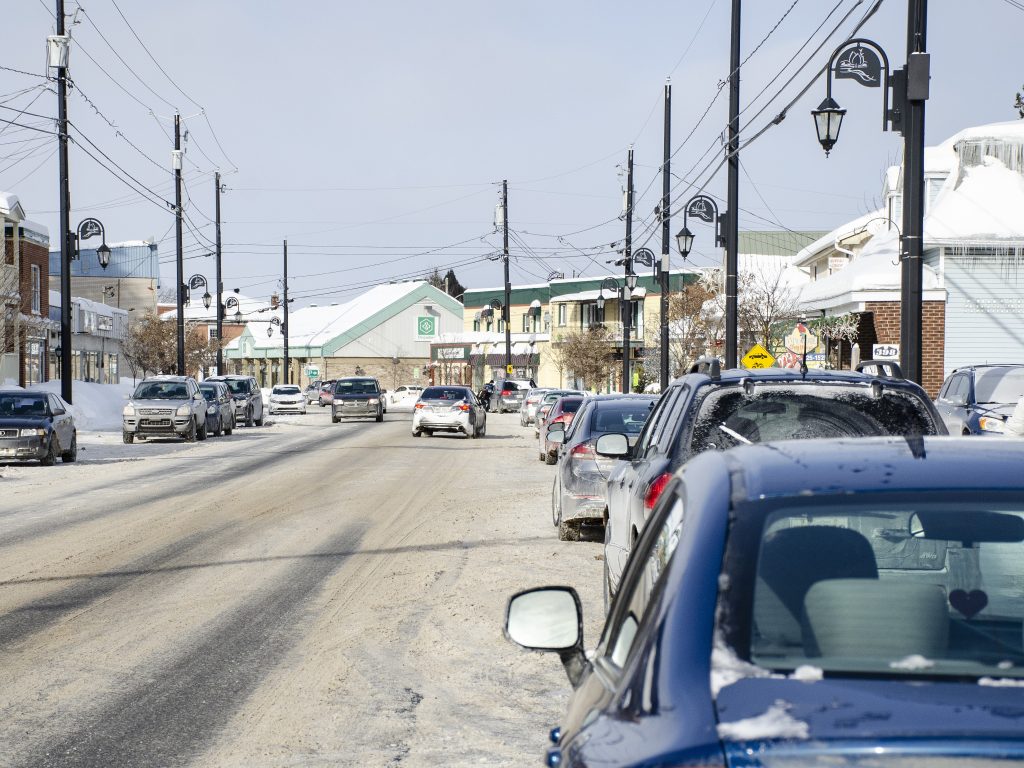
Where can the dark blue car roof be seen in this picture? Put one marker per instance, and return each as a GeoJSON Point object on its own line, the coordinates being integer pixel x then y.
{"type": "Point", "coordinates": [794, 467]}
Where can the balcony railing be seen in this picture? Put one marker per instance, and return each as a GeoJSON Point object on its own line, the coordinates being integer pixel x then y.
{"type": "Point", "coordinates": [636, 333]}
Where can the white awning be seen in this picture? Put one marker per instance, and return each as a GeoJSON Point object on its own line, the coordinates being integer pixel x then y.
{"type": "Point", "coordinates": [638, 293]}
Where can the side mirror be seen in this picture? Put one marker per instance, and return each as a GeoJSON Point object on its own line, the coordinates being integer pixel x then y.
{"type": "Point", "coordinates": [198, 396]}
{"type": "Point", "coordinates": [549, 619]}
{"type": "Point", "coordinates": [613, 445]}
{"type": "Point", "coordinates": [556, 436]}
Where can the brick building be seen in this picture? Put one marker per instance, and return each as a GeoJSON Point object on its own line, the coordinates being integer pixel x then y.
{"type": "Point", "coordinates": [24, 299]}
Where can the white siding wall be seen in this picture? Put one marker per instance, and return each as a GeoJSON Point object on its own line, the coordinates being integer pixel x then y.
{"type": "Point", "coordinates": [397, 336]}
{"type": "Point", "coordinates": [984, 308]}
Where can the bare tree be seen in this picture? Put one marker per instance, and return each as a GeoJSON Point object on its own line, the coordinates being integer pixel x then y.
{"type": "Point", "coordinates": [766, 304]}
{"type": "Point", "coordinates": [588, 352]}
{"type": "Point", "coordinates": [837, 329]}
{"type": "Point", "coordinates": [150, 345]}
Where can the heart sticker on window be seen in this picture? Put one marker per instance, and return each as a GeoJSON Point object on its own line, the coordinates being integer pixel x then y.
{"type": "Point", "coordinates": [970, 604]}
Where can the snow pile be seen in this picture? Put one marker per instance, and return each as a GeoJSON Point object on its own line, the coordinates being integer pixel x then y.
{"type": "Point", "coordinates": [807, 674]}
{"type": "Point", "coordinates": [774, 723]}
{"type": "Point", "coordinates": [728, 668]}
{"type": "Point", "coordinates": [96, 407]}
{"type": "Point", "coordinates": [1001, 682]}
{"type": "Point", "coordinates": [984, 206]}
{"type": "Point", "coordinates": [913, 663]}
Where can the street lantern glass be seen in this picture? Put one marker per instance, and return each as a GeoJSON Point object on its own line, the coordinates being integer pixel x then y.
{"type": "Point", "coordinates": [600, 301]}
{"type": "Point", "coordinates": [631, 281]}
{"type": "Point", "coordinates": [684, 241]}
{"type": "Point", "coordinates": [207, 298]}
{"type": "Point", "coordinates": [270, 331]}
{"type": "Point", "coordinates": [238, 316]}
{"type": "Point", "coordinates": [828, 119]}
{"type": "Point", "coordinates": [103, 254]}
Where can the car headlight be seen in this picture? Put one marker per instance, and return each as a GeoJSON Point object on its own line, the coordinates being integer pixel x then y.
{"type": "Point", "coordinates": [31, 433]}
{"type": "Point", "coordinates": [183, 410]}
{"type": "Point", "coordinates": [212, 410]}
{"type": "Point", "coordinates": [373, 401]}
{"type": "Point", "coordinates": [992, 424]}
{"type": "Point", "coordinates": [129, 410]}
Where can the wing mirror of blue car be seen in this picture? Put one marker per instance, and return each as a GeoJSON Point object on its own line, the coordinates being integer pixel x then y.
{"type": "Point", "coordinates": [549, 619]}
{"type": "Point", "coordinates": [613, 445]}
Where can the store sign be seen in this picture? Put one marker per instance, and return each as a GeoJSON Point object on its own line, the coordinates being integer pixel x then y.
{"type": "Point", "coordinates": [451, 353]}
{"type": "Point", "coordinates": [426, 327]}
{"type": "Point", "coordinates": [312, 372]}
{"type": "Point", "coordinates": [885, 351]}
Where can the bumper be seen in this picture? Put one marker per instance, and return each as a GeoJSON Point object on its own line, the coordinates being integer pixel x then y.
{"type": "Point", "coordinates": [287, 407]}
{"type": "Point", "coordinates": [22, 448]}
{"type": "Point", "coordinates": [585, 505]}
{"type": "Point", "coordinates": [510, 403]}
{"type": "Point", "coordinates": [176, 426]}
{"type": "Point", "coordinates": [351, 412]}
{"type": "Point", "coordinates": [441, 422]}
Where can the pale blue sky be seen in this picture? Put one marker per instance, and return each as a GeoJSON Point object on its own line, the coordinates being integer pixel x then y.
{"type": "Point", "coordinates": [371, 133]}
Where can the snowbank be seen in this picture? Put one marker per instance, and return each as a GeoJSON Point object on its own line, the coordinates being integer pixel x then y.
{"type": "Point", "coordinates": [96, 407]}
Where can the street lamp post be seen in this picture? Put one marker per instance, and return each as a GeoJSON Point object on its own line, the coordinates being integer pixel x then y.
{"type": "Point", "coordinates": [705, 208]}
{"type": "Point", "coordinates": [624, 295]}
{"type": "Point", "coordinates": [229, 303]}
{"type": "Point", "coordinates": [194, 283]}
{"type": "Point", "coordinates": [864, 62]}
{"type": "Point", "coordinates": [488, 312]}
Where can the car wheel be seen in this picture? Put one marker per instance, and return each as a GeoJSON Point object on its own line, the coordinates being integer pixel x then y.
{"type": "Point", "coordinates": [415, 433]}
{"type": "Point", "coordinates": [128, 438]}
{"type": "Point", "coordinates": [248, 418]}
{"type": "Point", "coordinates": [428, 432]}
{"type": "Point", "coordinates": [567, 532]}
{"type": "Point", "coordinates": [190, 436]}
{"type": "Point", "coordinates": [540, 455]}
{"type": "Point", "coordinates": [334, 419]}
{"type": "Point", "coordinates": [556, 512]}
{"type": "Point", "coordinates": [51, 453]}
{"type": "Point", "coordinates": [483, 429]}
{"type": "Point", "coordinates": [380, 416]}
{"type": "Point", "coordinates": [259, 421]}
{"type": "Point", "coordinates": [71, 454]}
{"type": "Point", "coordinates": [201, 433]}
{"type": "Point", "coordinates": [550, 458]}
{"type": "Point", "coordinates": [227, 430]}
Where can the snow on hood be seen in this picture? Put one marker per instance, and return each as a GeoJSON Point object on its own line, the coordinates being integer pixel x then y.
{"type": "Point", "coordinates": [875, 269]}
{"type": "Point", "coordinates": [773, 723]}
{"type": "Point", "coordinates": [985, 206]}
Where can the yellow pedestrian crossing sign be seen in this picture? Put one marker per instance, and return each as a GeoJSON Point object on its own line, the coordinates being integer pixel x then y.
{"type": "Point", "coordinates": [510, 368]}
{"type": "Point", "coordinates": [758, 357]}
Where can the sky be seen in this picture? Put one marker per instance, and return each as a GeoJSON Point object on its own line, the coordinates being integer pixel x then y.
{"type": "Point", "coordinates": [374, 136]}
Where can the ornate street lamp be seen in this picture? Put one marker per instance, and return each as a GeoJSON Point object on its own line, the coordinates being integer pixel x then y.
{"type": "Point", "coordinates": [704, 208]}
{"type": "Point", "coordinates": [864, 62]}
{"type": "Point", "coordinates": [90, 228]}
{"type": "Point", "coordinates": [828, 118]}
{"type": "Point", "coordinates": [230, 302]}
{"type": "Point", "coordinates": [684, 241]}
{"type": "Point", "coordinates": [274, 321]}
{"type": "Point", "coordinates": [194, 283]}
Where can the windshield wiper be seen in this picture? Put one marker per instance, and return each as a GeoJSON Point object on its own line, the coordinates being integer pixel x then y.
{"type": "Point", "coordinates": [735, 435]}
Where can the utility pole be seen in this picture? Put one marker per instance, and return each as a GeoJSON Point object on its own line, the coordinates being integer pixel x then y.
{"type": "Point", "coordinates": [220, 281]}
{"type": "Point", "coordinates": [66, 250]}
{"type": "Point", "coordinates": [506, 310]}
{"type": "Point", "coordinates": [626, 305]}
{"type": "Point", "coordinates": [911, 305]}
{"type": "Point", "coordinates": [666, 238]}
{"type": "Point", "coordinates": [284, 326]}
{"type": "Point", "coordinates": [732, 237]}
{"type": "Point", "coordinates": [176, 164]}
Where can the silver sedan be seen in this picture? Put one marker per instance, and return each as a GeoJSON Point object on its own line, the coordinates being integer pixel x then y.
{"type": "Point", "coordinates": [448, 409]}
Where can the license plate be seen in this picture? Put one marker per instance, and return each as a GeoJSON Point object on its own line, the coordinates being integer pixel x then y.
{"type": "Point", "coordinates": [8, 452]}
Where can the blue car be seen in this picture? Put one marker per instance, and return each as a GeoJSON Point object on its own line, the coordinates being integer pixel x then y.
{"type": "Point", "coordinates": [854, 602]}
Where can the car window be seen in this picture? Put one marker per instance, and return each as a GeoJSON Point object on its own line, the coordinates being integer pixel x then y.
{"type": "Point", "coordinates": [998, 385]}
{"type": "Point", "coordinates": [238, 386]}
{"type": "Point", "coordinates": [581, 418]}
{"type": "Point", "coordinates": [643, 572]}
{"type": "Point", "coordinates": [727, 416]}
{"type": "Point", "coordinates": [22, 405]}
{"type": "Point", "coordinates": [355, 387]}
{"type": "Point", "coordinates": [55, 405]}
{"type": "Point", "coordinates": [161, 390]}
{"type": "Point", "coordinates": [210, 393]}
{"type": "Point", "coordinates": [444, 393]}
{"type": "Point", "coordinates": [863, 586]}
{"type": "Point", "coordinates": [654, 421]}
{"type": "Point", "coordinates": [623, 416]}
{"type": "Point", "coordinates": [286, 389]}
{"type": "Point", "coordinates": [569, 404]}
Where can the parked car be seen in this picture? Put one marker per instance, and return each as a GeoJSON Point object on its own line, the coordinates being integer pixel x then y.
{"type": "Point", "coordinates": [286, 398]}
{"type": "Point", "coordinates": [326, 396]}
{"type": "Point", "coordinates": [819, 602]}
{"type": "Point", "coordinates": [220, 407]}
{"type": "Point", "coordinates": [248, 398]}
{"type": "Point", "coordinates": [711, 409]}
{"type": "Point", "coordinates": [312, 392]}
{"type": "Point", "coordinates": [528, 410]}
{"type": "Point", "coordinates": [405, 391]}
{"type": "Point", "coordinates": [449, 408]}
{"type": "Point", "coordinates": [36, 426]}
{"type": "Point", "coordinates": [356, 397]}
{"type": "Point", "coordinates": [165, 406]}
{"type": "Point", "coordinates": [579, 494]}
{"type": "Point", "coordinates": [509, 394]}
{"type": "Point", "coordinates": [559, 417]}
{"type": "Point", "coordinates": [978, 399]}
{"type": "Point", "coordinates": [547, 400]}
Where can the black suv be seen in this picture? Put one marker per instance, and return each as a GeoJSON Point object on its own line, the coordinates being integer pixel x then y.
{"type": "Point", "coordinates": [978, 399]}
{"type": "Point", "coordinates": [712, 409]}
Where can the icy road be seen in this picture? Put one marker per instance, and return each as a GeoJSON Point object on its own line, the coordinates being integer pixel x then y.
{"type": "Point", "coordinates": [301, 594]}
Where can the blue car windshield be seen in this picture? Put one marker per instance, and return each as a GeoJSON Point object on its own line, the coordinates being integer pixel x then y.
{"type": "Point", "coordinates": [928, 586]}
{"type": "Point", "coordinates": [998, 385]}
{"type": "Point", "coordinates": [161, 390]}
{"type": "Point", "coordinates": [15, 405]}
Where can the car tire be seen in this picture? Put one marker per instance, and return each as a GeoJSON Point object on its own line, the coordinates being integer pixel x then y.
{"type": "Point", "coordinates": [259, 422]}
{"type": "Point", "coordinates": [556, 512]}
{"type": "Point", "coordinates": [228, 430]}
{"type": "Point", "coordinates": [567, 532]}
{"type": "Point", "coordinates": [380, 416]}
{"type": "Point", "coordinates": [334, 419]}
{"type": "Point", "coordinates": [51, 453]}
{"type": "Point", "coordinates": [540, 455]}
{"type": "Point", "coordinates": [483, 429]}
{"type": "Point", "coordinates": [201, 433]}
{"type": "Point", "coordinates": [415, 433]}
{"type": "Point", "coordinates": [69, 456]}
{"type": "Point", "coordinates": [128, 438]}
{"type": "Point", "coordinates": [428, 432]}
{"type": "Point", "coordinates": [220, 427]}
{"type": "Point", "coordinates": [550, 458]}
{"type": "Point", "coordinates": [248, 417]}
{"type": "Point", "coordinates": [190, 436]}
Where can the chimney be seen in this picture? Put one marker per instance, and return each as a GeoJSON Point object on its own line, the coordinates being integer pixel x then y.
{"type": "Point", "coordinates": [275, 300]}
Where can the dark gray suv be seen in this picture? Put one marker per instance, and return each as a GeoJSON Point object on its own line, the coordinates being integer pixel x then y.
{"type": "Point", "coordinates": [357, 397]}
{"type": "Point", "coordinates": [978, 399]}
{"type": "Point", "coordinates": [248, 398]}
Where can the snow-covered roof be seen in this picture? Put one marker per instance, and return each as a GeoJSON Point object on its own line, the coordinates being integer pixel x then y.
{"type": "Point", "coordinates": [843, 231]}
{"type": "Point", "coordinates": [636, 293]}
{"type": "Point", "coordinates": [985, 207]}
{"type": "Point", "coordinates": [10, 206]}
{"type": "Point", "coordinates": [489, 337]}
{"type": "Point", "coordinates": [88, 305]}
{"type": "Point", "coordinates": [252, 309]}
{"type": "Point", "coordinates": [875, 269]}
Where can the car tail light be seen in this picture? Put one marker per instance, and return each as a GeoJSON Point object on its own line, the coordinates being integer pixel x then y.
{"type": "Point", "coordinates": [583, 452]}
{"type": "Point", "coordinates": [655, 490]}
{"type": "Point", "coordinates": [419, 405]}
{"type": "Point", "coordinates": [506, 392]}
{"type": "Point", "coordinates": [462, 407]}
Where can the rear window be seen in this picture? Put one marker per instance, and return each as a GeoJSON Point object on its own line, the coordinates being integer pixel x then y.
{"type": "Point", "coordinates": [998, 385]}
{"type": "Point", "coordinates": [444, 393]}
{"type": "Point", "coordinates": [210, 393]}
{"type": "Point", "coordinates": [571, 405]}
{"type": "Point", "coordinates": [727, 417]}
{"type": "Point", "coordinates": [238, 386]}
{"type": "Point", "coordinates": [628, 418]}
{"type": "Point", "coordinates": [927, 587]}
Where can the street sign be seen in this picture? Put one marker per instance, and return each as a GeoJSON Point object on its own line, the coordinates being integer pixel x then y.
{"type": "Point", "coordinates": [758, 357]}
{"type": "Point", "coordinates": [510, 368]}
{"type": "Point", "coordinates": [885, 352]}
{"type": "Point", "coordinates": [801, 340]}
{"type": "Point", "coordinates": [312, 372]}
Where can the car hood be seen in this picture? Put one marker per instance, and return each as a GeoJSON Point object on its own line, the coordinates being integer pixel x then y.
{"type": "Point", "coordinates": [158, 403]}
{"type": "Point", "coordinates": [1001, 409]}
{"type": "Point", "coordinates": [845, 721]}
{"type": "Point", "coordinates": [8, 422]}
